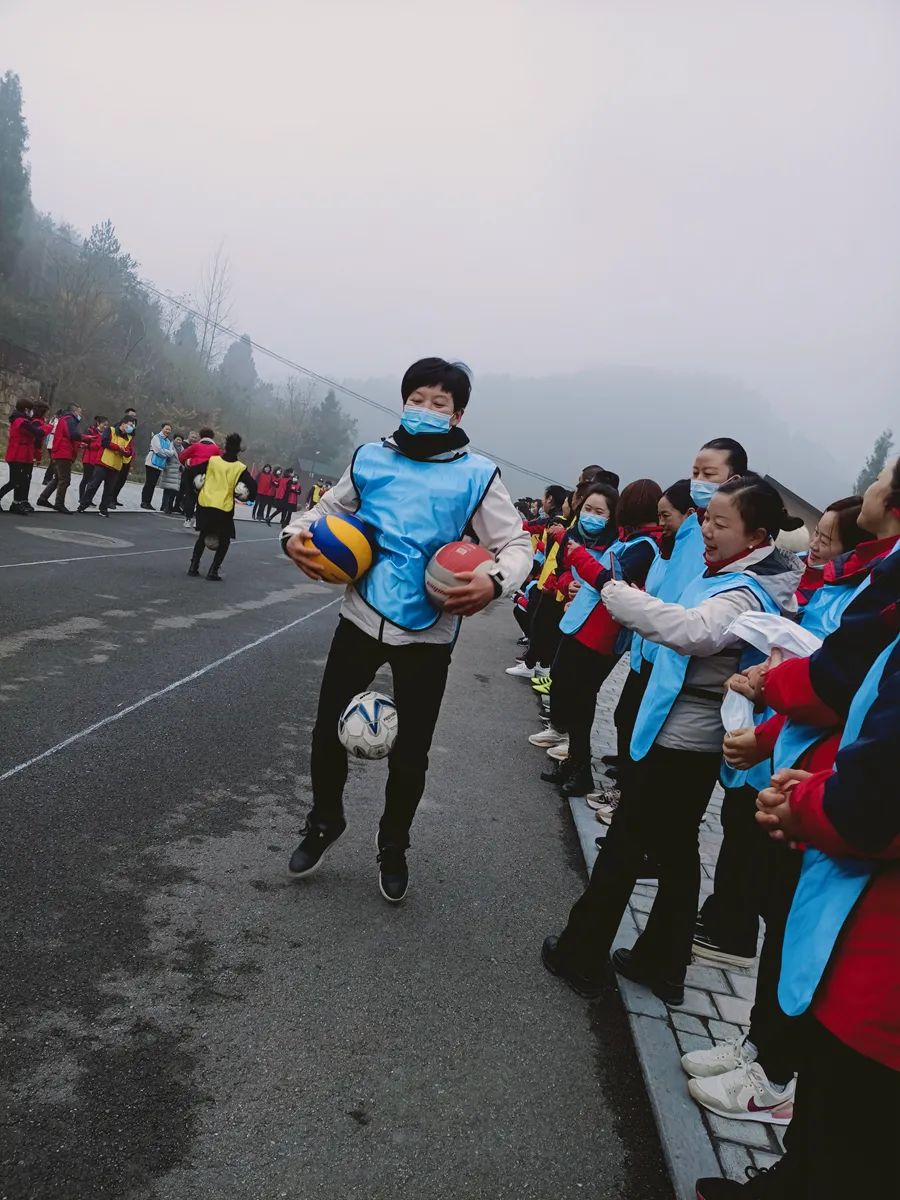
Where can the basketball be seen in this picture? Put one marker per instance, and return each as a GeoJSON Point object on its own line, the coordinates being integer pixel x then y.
{"type": "Point", "coordinates": [368, 726]}
{"type": "Point", "coordinates": [345, 545]}
{"type": "Point", "coordinates": [451, 560]}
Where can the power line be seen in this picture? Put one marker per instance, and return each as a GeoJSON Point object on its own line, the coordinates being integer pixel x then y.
{"type": "Point", "coordinates": [295, 366]}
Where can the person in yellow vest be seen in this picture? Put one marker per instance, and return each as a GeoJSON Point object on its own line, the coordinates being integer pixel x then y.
{"type": "Point", "coordinates": [215, 504]}
{"type": "Point", "coordinates": [117, 445]}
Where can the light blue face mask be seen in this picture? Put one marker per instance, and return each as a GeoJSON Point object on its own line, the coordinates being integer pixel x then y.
{"type": "Point", "coordinates": [423, 420]}
{"type": "Point", "coordinates": [592, 525]}
{"type": "Point", "coordinates": [702, 491]}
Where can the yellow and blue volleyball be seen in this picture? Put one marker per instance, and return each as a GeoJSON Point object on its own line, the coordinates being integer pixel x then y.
{"type": "Point", "coordinates": [346, 546]}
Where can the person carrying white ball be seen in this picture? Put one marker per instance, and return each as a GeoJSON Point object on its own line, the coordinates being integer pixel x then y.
{"type": "Point", "coordinates": [418, 490]}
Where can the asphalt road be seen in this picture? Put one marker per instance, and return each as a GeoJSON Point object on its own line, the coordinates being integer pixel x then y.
{"type": "Point", "coordinates": [178, 1019]}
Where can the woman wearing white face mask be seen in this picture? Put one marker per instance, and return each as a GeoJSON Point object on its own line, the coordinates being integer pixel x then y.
{"type": "Point", "coordinates": [118, 450]}
{"type": "Point", "coordinates": [676, 745]}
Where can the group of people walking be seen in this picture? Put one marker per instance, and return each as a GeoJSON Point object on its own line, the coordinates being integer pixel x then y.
{"type": "Point", "coordinates": [685, 582]}
{"type": "Point", "coordinates": [279, 493]}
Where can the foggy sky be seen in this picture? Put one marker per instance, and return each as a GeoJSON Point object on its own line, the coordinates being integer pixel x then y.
{"type": "Point", "coordinates": [530, 186]}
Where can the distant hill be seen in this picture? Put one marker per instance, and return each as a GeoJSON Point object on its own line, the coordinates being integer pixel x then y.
{"type": "Point", "coordinates": [636, 421]}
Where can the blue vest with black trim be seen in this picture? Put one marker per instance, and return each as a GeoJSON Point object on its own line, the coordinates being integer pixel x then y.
{"type": "Point", "coordinates": [587, 598]}
{"type": "Point", "coordinates": [414, 509]}
{"type": "Point", "coordinates": [685, 565]}
{"type": "Point", "coordinates": [821, 616]}
{"type": "Point", "coordinates": [670, 667]}
{"type": "Point", "coordinates": [828, 888]}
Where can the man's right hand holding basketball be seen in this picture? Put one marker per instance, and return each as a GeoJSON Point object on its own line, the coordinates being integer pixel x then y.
{"type": "Point", "coordinates": [300, 548]}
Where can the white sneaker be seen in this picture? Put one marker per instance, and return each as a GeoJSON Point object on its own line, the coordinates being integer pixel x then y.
{"type": "Point", "coordinates": [548, 737]}
{"type": "Point", "coordinates": [189, 524]}
{"type": "Point", "coordinates": [521, 671]}
{"type": "Point", "coordinates": [541, 672]}
{"type": "Point", "coordinates": [745, 1094]}
{"type": "Point", "coordinates": [724, 1056]}
{"type": "Point", "coordinates": [561, 752]}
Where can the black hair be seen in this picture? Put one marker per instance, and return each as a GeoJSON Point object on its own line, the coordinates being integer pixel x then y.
{"type": "Point", "coordinates": [597, 474]}
{"type": "Point", "coordinates": [100, 417]}
{"type": "Point", "coordinates": [678, 495]}
{"type": "Point", "coordinates": [759, 503]}
{"type": "Point", "coordinates": [637, 504]}
{"type": "Point", "coordinates": [737, 455]}
{"type": "Point", "coordinates": [847, 511]}
{"type": "Point", "coordinates": [206, 432]}
{"type": "Point", "coordinates": [557, 494]}
{"type": "Point", "coordinates": [893, 500]}
{"type": "Point", "coordinates": [453, 378]}
{"type": "Point", "coordinates": [233, 444]}
{"type": "Point", "coordinates": [602, 489]}
{"type": "Point", "coordinates": [267, 466]}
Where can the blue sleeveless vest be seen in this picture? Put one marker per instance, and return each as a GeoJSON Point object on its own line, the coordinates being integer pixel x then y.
{"type": "Point", "coordinates": [587, 598]}
{"type": "Point", "coordinates": [652, 584]}
{"type": "Point", "coordinates": [414, 508]}
{"type": "Point", "coordinates": [685, 565]}
{"type": "Point", "coordinates": [828, 888]}
{"type": "Point", "coordinates": [671, 667]}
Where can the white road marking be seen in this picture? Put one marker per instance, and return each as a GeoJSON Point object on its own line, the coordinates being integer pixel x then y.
{"type": "Point", "coordinates": [80, 537]}
{"type": "Point", "coordinates": [170, 687]}
{"type": "Point", "coordinates": [43, 562]}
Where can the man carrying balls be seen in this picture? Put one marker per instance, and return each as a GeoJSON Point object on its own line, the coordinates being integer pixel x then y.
{"type": "Point", "coordinates": [417, 490]}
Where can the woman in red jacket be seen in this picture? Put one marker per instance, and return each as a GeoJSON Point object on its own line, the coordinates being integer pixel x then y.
{"type": "Point", "coordinates": [291, 500]}
{"type": "Point", "coordinates": [588, 650]}
{"type": "Point", "coordinates": [91, 449]}
{"type": "Point", "coordinates": [23, 450]}
{"type": "Point", "coordinates": [264, 488]}
{"type": "Point", "coordinates": [281, 493]}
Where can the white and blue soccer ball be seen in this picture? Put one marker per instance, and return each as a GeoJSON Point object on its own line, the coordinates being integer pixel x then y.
{"type": "Point", "coordinates": [242, 492]}
{"type": "Point", "coordinates": [368, 726]}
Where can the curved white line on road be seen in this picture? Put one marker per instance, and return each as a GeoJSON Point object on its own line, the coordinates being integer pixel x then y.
{"type": "Point", "coordinates": [170, 687]}
{"type": "Point", "coordinates": [43, 562]}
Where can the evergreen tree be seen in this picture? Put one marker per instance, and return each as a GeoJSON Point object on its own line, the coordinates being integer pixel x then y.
{"type": "Point", "coordinates": [15, 191]}
{"type": "Point", "coordinates": [238, 367]}
{"type": "Point", "coordinates": [876, 461]}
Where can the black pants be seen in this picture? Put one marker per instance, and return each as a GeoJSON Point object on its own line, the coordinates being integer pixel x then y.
{"type": "Point", "coordinates": [109, 478]}
{"type": "Point", "coordinates": [122, 477]}
{"type": "Point", "coordinates": [218, 554]}
{"type": "Point", "coordinates": [731, 914]}
{"type": "Point", "coordinates": [169, 500]}
{"type": "Point", "coordinates": [772, 1032]}
{"type": "Point", "coordinates": [660, 814]}
{"type": "Point", "coordinates": [544, 635]}
{"type": "Point", "coordinates": [259, 507]}
{"type": "Point", "coordinates": [151, 478]}
{"type": "Point", "coordinates": [273, 511]}
{"type": "Point", "coordinates": [578, 675]}
{"type": "Point", "coordinates": [842, 1139]}
{"type": "Point", "coordinates": [626, 714]}
{"type": "Point", "coordinates": [287, 513]}
{"type": "Point", "coordinates": [19, 482]}
{"type": "Point", "coordinates": [87, 474]}
{"type": "Point", "coordinates": [420, 676]}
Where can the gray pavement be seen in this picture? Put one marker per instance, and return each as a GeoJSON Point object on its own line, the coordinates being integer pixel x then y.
{"type": "Point", "coordinates": [181, 1020]}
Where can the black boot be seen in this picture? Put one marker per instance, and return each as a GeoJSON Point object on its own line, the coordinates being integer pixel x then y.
{"type": "Point", "coordinates": [317, 838]}
{"type": "Point", "coordinates": [556, 963]}
{"type": "Point", "coordinates": [558, 773]}
{"type": "Point", "coordinates": [628, 963]}
{"type": "Point", "coordinates": [580, 781]}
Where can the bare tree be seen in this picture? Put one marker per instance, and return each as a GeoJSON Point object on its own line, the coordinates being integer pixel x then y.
{"type": "Point", "coordinates": [214, 305]}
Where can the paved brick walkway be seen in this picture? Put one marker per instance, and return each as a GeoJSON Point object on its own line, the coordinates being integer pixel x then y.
{"type": "Point", "coordinates": [717, 1006]}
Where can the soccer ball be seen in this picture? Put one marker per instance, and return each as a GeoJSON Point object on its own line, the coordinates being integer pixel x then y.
{"type": "Point", "coordinates": [211, 541]}
{"type": "Point", "coordinates": [241, 492]}
{"type": "Point", "coordinates": [368, 726]}
{"type": "Point", "coordinates": [199, 481]}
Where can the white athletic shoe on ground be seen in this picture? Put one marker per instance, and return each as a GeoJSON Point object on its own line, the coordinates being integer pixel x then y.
{"type": "Point", "coordinates": [548, 737]}
{"type": "Point", "coordinates": [745, 1094]}
{"type": "Point", "coordinates": [724, 1056]}
{"type": "Point", "coordinates": [521, 671]}
{"type": "Point", "coordinates": [560, 752]}
{"type": "Point", "coordinates": [189, 524]}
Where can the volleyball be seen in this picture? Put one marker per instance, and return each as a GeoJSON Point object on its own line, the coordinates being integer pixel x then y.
{"type": "Point", "coordinates": [242, 492]}
{"type": "Point", "coordinates": [450, 560]}
{"type": "Point", "coordinates": [345, 545]}
{"type": "Point", "coordinates": [368, 726]}
{"type": "Point", "coordinates": [199, 481]}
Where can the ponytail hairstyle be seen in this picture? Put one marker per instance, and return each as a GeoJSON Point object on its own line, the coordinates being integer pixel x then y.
{"type": "Point", "coordinates": [678, 495]}
{"type": "Point", "coordinates": [737, 455]}
{"type": "Point", "coordinates": [759, 503]}
{"type": "Point", "coordinates": [637, 504]}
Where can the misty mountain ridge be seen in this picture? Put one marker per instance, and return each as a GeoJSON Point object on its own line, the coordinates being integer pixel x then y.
{"type": "Point", "coordinates": [637, 421]}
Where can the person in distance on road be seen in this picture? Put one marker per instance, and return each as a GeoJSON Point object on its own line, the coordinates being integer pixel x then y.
{"type": "Point", "coordinates": [117, 447]}
{"type": "Point", "coordinates": [215, 504]}
{"type": "Point", "coordinates": [23, 450]}
{"type": "Point", "coordinates": [200, 449]}
{"type": "Point", "coordinates": [418, 489]}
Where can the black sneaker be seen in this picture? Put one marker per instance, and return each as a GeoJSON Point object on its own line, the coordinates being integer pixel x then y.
{"type": "Point", "coordinates": [42, 503]}
{"type": "Point", "coordinates": [317, 838]}
{"type": "Point", "coordinates": [705, 946]}
{"type": "Point", "coordinates": [610, 760]}
{"type": "Point", "coordinates": [763, 1183]}
{"type": "Point", "coordinates": [63, 511]}
{"type": "Point", "coordinates": [558, 773]}
{"type": "Point", "coordinates": [148, 507]}
{"type": "Point", "coordinates": [194, 572]}
{"type": "Point", "coordinates": [213, 576]}
{"type": "Point", "coordinates": [393, 873]}
{"type": "Point", "coordinates": [553, 960]}
{"type": "Point", "coordinates": [627, 963]}
{"type": "Point", "coordinates": [580, 781]}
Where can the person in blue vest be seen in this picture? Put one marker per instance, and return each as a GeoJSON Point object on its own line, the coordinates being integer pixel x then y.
{"type": "Point", "coordinates": [589, 648]}
{"type": "Point", "coordinates": [840, 971]}
{"type": "Point", "coordinates": [418, 489]}
{"type": "Point", "coordinates": [677, 743]}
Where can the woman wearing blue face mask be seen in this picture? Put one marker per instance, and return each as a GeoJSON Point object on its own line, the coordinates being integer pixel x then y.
{"type": "Point", "coordinates": [716, 462]}
{"type": "Point", "coordinates": [618, 538]}
{"type": "Point", "coordinates": [418, 490]}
